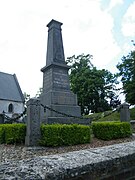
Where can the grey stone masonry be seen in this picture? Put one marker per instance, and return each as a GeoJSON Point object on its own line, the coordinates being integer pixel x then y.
{"type": "Point", "coordinates": [67, 120]}
{"type": "Point", "coordinates": [109, 162]}
{"type": "Point", "coordinates": [33, 122]}
{"type": "Point", "coordinates": [124, 112]}
{"type": "Point", "coordinates": [55, 50]}
{"type": "Point", "coordinates": [56, 86]}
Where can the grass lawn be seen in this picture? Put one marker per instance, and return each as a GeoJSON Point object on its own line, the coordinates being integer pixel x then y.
{"type": "Point", "coordinates": [109, 116]}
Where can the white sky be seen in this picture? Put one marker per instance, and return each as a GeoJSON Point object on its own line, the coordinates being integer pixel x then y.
{"type": "Point", "coordinates": [103, 28]}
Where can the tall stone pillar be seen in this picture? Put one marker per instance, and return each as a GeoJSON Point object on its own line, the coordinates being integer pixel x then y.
{"type": "Point", "coordinates": [33, 122]}
{"type": "Point", "coordinates": [124, 112]}
{"type": "Point", "coordinates": [56, 87]}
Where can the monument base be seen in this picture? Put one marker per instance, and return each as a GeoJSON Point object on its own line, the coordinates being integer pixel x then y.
{"type": "Point", "coordinates": [63, 102]}
{"type": "Point", "coordinates": [66, 120]}
{"type": "Point", "coordinates": [65, 109]}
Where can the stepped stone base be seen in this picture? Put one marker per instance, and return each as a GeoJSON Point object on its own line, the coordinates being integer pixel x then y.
{"type": "Point", "coordinates": [69, 110]}
{"type": "Point", "coordinates": [64, 102]}
{"type": "Point", "coordinates": [66, 120]}
{"type": "Point", "coordinates": [59, 98]}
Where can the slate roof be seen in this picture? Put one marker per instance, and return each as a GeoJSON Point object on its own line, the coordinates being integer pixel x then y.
{"type": "Point", "coordinates": [10, 88]}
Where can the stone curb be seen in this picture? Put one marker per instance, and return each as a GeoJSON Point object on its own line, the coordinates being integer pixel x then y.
{"type": "Point", "coordinates": [97, 162]}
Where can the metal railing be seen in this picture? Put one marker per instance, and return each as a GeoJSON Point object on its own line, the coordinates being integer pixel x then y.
{"type": "Point", "coordinates": [8, 119]}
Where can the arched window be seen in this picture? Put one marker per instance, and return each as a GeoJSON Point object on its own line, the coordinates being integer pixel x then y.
{"type": "Point", "coordinates": [10, 108]}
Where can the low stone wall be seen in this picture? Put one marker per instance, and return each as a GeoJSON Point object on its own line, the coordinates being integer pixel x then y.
{"type": "Point", "coordinates": [110, 162]}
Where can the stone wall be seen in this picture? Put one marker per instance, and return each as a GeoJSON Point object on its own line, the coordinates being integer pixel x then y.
{"type": "Point", "coordinates": [110, 162]}
{"type": "Point", "coordinates": [18, 107]}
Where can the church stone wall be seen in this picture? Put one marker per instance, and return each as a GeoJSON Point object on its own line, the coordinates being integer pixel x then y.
{"type": "Point", "coordinates": [18, 107]}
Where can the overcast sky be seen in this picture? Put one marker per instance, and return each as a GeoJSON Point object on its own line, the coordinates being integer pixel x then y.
{"type": "Point", "coordinates": [103, 28]}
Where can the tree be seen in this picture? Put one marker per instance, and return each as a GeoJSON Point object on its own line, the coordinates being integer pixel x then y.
{"type": "Point", "coordinates": [93, 87]}
{"type": "Point", "coordinates": [114, 101]}
{"type": "Point", "coordinates": [39, 92]}
{"type": "Point", "coordinates": [26, 97]}
{"type": "Point", "coordinates": [127, 73]}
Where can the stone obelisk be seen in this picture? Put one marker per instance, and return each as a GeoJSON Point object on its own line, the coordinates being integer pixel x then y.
{"type": "Point", "coordinates": [56, 87]}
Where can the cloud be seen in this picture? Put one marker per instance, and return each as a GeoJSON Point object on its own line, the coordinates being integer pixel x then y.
{"type": "Point", "coordinates": [128, 23]}
{"type": "Point", "coordinates": [92, 33]}
{"type": "Point", "coordinates": [114, 3]}
{"type": "Point", "coordinates": [23, 35]}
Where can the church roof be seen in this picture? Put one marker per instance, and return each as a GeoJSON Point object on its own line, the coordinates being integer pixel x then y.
{"type": "Point", "coordinates": [10, 88]}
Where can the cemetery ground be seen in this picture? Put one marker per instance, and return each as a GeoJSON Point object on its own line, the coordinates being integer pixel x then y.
{"type": "Point", "coordinates": [18, 152]}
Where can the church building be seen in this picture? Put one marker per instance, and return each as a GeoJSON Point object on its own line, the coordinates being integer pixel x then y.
{"type": "Point", "coordinates": [11, 96]}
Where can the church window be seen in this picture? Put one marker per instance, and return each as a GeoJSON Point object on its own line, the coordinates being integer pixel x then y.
{"type": "Point", "coordinates": [10, 108]}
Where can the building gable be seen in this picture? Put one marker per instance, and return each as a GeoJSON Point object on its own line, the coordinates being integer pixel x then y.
{"type": "Point", "coordinates": [9, 88]}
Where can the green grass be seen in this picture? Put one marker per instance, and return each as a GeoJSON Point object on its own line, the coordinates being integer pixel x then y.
{"type": "Point", "coordinates": [132, 113]}
{"type": "Point", "coordinates": [108, 116]}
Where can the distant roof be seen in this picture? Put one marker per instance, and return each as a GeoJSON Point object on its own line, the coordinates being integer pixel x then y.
{"type": "Point", "coordinates": [10, 88]}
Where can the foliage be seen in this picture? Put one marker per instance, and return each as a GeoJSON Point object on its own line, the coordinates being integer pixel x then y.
{"type": "Point", "coordinates": [114, 101]}
{"type": "Point", "coordinates": [132, 113]}
{"type": "Point", "coordinates": [111, 130]}
{"type": "Point", "coordinates": [12, 133]}
{"type": "Point", "coordinates": [2, 135]}
{"type": "Point", "coordinates": [62, 134]}
{"type": "Point", "coordinates": [127, 73]}
{"type": "Point", "coordinates": [26, 97]}
{"type": "Point", "coordinates": [39, 92]}
{"type": "Point", "coordinates": [93, 87]}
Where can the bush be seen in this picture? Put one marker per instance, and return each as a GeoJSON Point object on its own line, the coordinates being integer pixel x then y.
{"type": "Point", "coordinates": [2, 135]}
{"type": "Point", "coordinates": [12, 133]}
{"type": "Point", "coordinates": [132, 113]}
{"type": "Point", "coordinates": [111, 130]}
{"type": "Point", "coordinates": [63, 134]}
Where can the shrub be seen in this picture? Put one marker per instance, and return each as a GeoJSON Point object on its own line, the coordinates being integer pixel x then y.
{"type": "Point", "coordinates": [63, 134]}
{"type": "Point", "coordinates": [12, 133]}
{"type": "Point", "coordinates": [111, 130]}
{"type": "Point", "coordinates": [132, 113]}
{"type": "Point", "coordinates": [2, 135]}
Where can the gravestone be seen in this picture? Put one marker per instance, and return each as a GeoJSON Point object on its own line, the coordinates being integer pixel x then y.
{"type": "Point", "coordinates": [56, 87]}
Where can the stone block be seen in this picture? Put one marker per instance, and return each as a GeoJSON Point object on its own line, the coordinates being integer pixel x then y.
{"type": "Point", "coordinates": [67, 120]}
{"type": "Point", "coordinates": [59, 98]}
{"type": "Point", "coordinates": [124, 112]}
{"type": "Point", "coordinates": [33, 122]}
{"type": "Point", "coordinates": [67, 109]}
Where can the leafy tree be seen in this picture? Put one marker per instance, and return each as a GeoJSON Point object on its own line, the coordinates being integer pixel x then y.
{"type": "Point", "coordinates": [92, 86]}
{"type": "Point", "coordinates": [127, 73]}
{"type": "Point", "coordinates": [114, 101]}
{"type": "Point", "coordinates": [39, 92]}
{"type": "Point", "coordinates": [26, 97]}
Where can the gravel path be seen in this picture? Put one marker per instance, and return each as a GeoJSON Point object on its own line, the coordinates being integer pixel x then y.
{"type": "Point", "coordinates": [18, 152]}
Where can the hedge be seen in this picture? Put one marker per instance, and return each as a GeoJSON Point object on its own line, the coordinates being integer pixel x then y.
{"type": "Point", "coordinates": [111, 130]}
{"type": "Point", "coordinates": [12, 133]}
{"type": "Point", "coordinates": [63, 134]}
{"type": "Point", "coordinates": [2, 135]}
